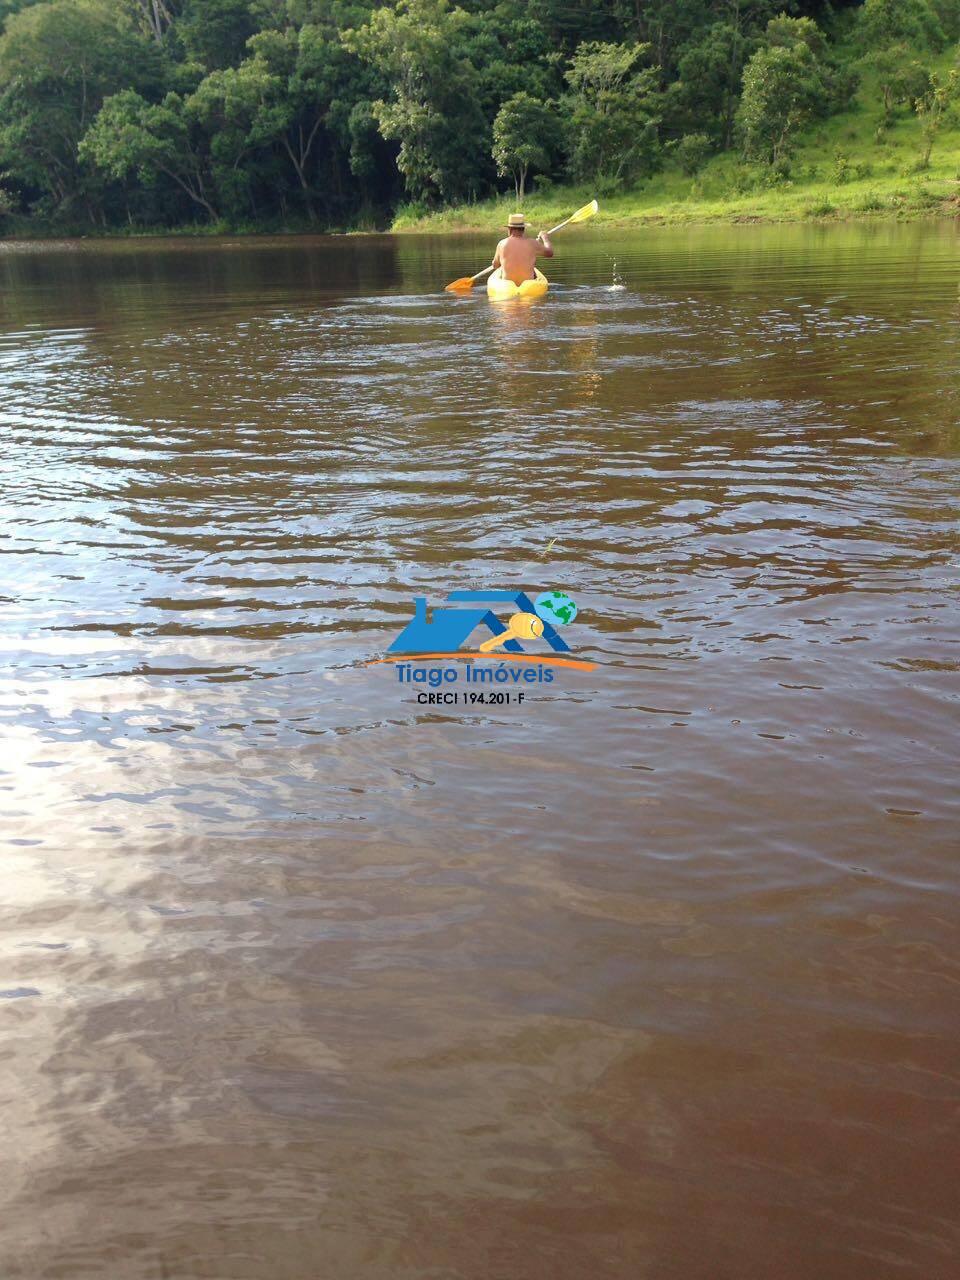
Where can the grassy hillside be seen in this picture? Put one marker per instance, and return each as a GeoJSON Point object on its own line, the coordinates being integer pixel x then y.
{"type": "Point", "coordinates": [841, 169]}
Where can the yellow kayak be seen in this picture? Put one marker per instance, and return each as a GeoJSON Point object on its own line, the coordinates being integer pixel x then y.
{"type": "Point", "coordinates": [501, 290]}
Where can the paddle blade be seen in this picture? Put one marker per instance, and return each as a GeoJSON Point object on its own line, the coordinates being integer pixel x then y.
{"type": "Point", "coordinates": [586, 212]}
{"type": "Point", "coordinates": [459, 286]}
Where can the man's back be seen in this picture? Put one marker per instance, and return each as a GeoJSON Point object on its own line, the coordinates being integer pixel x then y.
{"type": "Point", "coordinates": [517, 255]}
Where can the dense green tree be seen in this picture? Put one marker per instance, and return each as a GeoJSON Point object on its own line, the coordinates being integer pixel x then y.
{"type": "Point", "coordinates": [215, 32]}
{"type": "Point", "coordinates": [787, 83]}
{"type": "Point", "coordinates": [432, 112]}
{"type": "Point", "coordinates": [525, 133]}
{"type": "Point", "coordinates": [948, 13]}
{"type": "Point", "coordinates": [707, 89]}
{"type": "Point", "coordinates": [566, 25]}
{"type": "Point", "coordinates": [511, 54]}
{"type": "Point", "coordinates": [317, 84]}
{"type": "Point", "coordinates": [915, 22]}
{"type": "Point", "coordinates": [237, 113]}
{"type": "Point", "coordinates": [370, 160]}
{"type": "Point", "coordinates": [58, 62]}
{"type": "Point", "coordinates": [784, 32]}
{"type": "Point", "coordinates": [155, 140]}
{"type": "Point", "coordinates": [781, 93]}
{"type": "Point", "coordinates": [839, 80]}
{"type": "Point", "coordinates": [10, 7]}
{"type": "Point", "coordinates": [901, 79]}
{"type": "Point", "coordinates": [614, 107]}
{"type": "Point", "coordinates": [155, 17]}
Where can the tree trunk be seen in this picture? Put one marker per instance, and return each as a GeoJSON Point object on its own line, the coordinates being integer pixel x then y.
{"type": "Point", "coordinates": [298, 163]}
{"type": "Point", "coordinates": [196, 195]}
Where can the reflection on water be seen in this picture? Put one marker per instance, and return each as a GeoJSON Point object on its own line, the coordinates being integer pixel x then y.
{"type": "Point", "coordinates": [647, 977]}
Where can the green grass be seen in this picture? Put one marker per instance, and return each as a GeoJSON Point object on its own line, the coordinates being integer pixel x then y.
{"type": "Point", "coordinates": [840, 170]}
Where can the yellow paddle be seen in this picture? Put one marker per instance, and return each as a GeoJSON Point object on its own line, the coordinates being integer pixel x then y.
{"type": "Point", "coordinates": [467, 282]}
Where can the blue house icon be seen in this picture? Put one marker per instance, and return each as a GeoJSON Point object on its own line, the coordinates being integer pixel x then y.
{"type": "Point", "coordinates": [449, 629]}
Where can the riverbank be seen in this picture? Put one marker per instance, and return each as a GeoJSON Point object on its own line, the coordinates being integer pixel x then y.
{"type": "Point", "coordinates": [670, 199]}
{"type": "Point", "coordinates": [929, 195]}
{"type": "Point", "coordinates": [853, 166]}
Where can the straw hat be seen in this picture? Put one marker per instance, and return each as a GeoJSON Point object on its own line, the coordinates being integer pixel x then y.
{"type": "Point", "coordinates": [516, 220]}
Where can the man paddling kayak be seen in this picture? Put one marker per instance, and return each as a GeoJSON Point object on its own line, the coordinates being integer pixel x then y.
{"type": "Point", "coordinates": [517, 255]}
{"type": "Point", "coordinates": [517, 244]}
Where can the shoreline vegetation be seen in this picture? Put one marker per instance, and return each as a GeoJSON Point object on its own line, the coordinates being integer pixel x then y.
{"type": "Point", "coordinates": [934, 196]}
{"type": "Point", "coordinates": [929, 196]}
{"type": "Point", "coordinates": [865, 163]}
{"type": "Point", "coordinates": [864, 201]}
{"type": "Point", "coordinates": [726, 192]}
{"type": "Point", "coordinates": [229, 117]}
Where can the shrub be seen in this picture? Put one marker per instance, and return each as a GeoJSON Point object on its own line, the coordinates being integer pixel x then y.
{"type": "Point", "coordinates": [692, 153]}
{"type": "Point", "coordinates": [926, 198]}
{"type": "Point", "coordinates": [841, 168]}
{"type": "Point", "coordinates": [845, 171]}
{"type": "Point", "coordinates": [933, 107]}
{"type": "Point", "coordinates": [607, 185]}
{"type": "Point", "coordinates": [411, 212]}
{"type": "Point", "coordinates": [870, 204]}
{"type": "Point", "coordinates": [741, 180]}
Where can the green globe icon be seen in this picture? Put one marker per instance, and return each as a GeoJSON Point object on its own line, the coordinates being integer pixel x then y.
{"type": "Point", "coordinates": [555, 607]}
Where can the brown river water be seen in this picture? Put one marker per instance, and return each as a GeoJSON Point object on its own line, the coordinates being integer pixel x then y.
{"type": "Point", "coordinates": [653, 975]}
